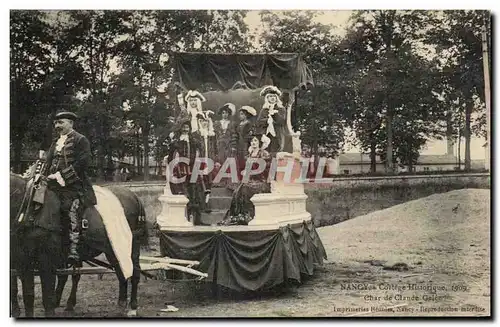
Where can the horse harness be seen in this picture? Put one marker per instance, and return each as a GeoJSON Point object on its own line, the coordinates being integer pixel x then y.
{"type": "Point", "coordinates": [34, 196]}
{"type": "Point", "coordinates": [34, 199]}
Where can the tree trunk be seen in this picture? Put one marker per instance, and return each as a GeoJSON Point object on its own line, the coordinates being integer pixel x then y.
{"type": "Point", "coordinates": [459, 146]}
{"type": "Point", "coordinates": [410, 161]}
{"type": "Point", "coordinates": [110, 164]}
{"type": "Point", "coordinates": [467, 134]}
{"type": "Point", "coordinates": [449, 134]}
{"type": "Point", "coordinates": [136, 161]}
{"type": "Point", "coordinates": [138, 154]}
{"type": "Point", "coordinates": [101, 163]}
{"type": "Point", "coordinates": [373, 156]}
{"type": "Point", "coordinates": [388, 163]}
{"type": "Point", "coordinates": [101, 160]}
{"type": "Point", "coordinates": [388, 29]}
{"type": "Point", "coordinates": [145, 144]}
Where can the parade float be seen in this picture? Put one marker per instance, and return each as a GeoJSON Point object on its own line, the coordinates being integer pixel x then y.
{"type": "Point", "coordinates": [280, 244]}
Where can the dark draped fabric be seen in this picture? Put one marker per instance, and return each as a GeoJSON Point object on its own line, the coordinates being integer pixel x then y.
{"type": "Point", "coordinates": [287, 71]}
{"type": "Point", "coordinates": [253, 260]}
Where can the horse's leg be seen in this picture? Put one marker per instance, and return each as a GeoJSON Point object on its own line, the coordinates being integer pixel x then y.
{"type": "Point", "coordinates": [123, 283]}
{"type": "Point", "coordinates": [28, 284]}
{"type": "Point", "coordinates": [49, 261]}
{"type": "Point", "coordinates": [15, 310]}
{"type": "Point", "coordinates": [122, 295]}
{"type": "Point", "coordinates": [48, 280]}
{"type": "Point", "coordinates": [136, 277]}
{"type": "Point", "coordinates": [70, 305]}
{"type": "Point", "coordinates": [61, 283]}
{"type": "Point", "coordinates": [25, 269]}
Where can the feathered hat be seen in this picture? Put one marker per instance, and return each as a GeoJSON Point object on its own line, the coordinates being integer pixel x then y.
{"type": "Point", "coordinates": [260, 136]}
{"type": "Point", "coordinates": [228, 106]}
{"type": "Point", "coordinates": [207, 114]}
{"type": "Point", "coordinates": [195, 94]}
{"type": "Point", "coordinates": [181, 122]}
{"type": "Point", "coordinates": [250, 110]}
{"type": "Point", "coordinates": [270, 89]}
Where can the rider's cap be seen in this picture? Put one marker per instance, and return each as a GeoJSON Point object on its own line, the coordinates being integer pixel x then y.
{"type": "Point", "coordinates": [66, 115]}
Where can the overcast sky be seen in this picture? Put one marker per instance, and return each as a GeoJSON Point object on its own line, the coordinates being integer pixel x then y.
{"type": "Point", "coordinates": [337, 18]}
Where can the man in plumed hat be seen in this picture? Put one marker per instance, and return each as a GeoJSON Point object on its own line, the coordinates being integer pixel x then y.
{"type": "Point", "coordinates": [187, 145]}
{"type": "Point", "coordinates": [67, 172]}
{"type": "Point", "coordinates": [272, 118]}
{"type": "Point", "coordinates": [209, 152]}
{"type": "Point", "coordinates": [193, 106]}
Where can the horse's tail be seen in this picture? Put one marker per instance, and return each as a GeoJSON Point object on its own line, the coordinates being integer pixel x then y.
{"type": "Point", "coordinates": [143, 235]}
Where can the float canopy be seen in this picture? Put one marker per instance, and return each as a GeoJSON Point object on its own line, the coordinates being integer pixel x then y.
{"type": "Point", "coordinates": [287, 71]}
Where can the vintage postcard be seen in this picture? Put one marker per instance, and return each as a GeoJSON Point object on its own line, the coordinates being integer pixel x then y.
{"type": "Point", "coordinates": [250, 163]}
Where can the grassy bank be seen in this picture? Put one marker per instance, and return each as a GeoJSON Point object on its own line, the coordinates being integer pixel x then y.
{"type": "Point", "coordinates": [331, 205]}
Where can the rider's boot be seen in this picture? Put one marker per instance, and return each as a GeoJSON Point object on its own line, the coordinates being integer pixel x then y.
{"type": "Point", "coordinates": [74, 233]}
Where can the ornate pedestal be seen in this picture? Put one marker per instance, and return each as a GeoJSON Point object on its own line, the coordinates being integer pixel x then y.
{"type": "Point", "coordinates": [287, 201]}
{"type": "Point", "coordinates": [173, 211]}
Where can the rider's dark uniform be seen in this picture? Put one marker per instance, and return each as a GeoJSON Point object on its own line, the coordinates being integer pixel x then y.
{"type": "Point", "coordinates": [72, 162]}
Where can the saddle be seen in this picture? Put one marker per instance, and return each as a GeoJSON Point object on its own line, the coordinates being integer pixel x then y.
{"type": "Point", "coordinates": [33, 202]}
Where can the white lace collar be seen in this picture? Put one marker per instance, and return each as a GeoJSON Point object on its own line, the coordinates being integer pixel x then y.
{"type": "Point", "coordinates": [60, 142]}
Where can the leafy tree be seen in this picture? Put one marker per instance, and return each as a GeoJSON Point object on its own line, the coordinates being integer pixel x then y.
{"type": "Point", "coordinates": [392, 80]}
{"type": "Point", "coordinates": [457, 37]}
{"type": "Point", "coordinates": [29, 68]}
{"type": "Point", "coordinates": [94, 38]}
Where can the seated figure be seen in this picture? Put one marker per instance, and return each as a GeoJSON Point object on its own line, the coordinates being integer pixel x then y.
{"type": "Point", "coordinates": [242, 209]}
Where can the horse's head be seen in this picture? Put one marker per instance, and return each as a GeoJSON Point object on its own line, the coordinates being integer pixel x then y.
{"type": "Point", "coordinates": [17, 185]}
{"type": "Point", "coordinates": [48, 216]}
{"type": "Point", "coordinates": [17, 190]}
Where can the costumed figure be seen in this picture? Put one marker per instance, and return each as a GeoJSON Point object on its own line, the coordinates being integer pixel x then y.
{"type": "Point", "coordinates": [192, 107]}
{"type": "Point", "coordinates": [208, 151]}
{"type": "Point", "coordinates": [239, 137]}
{"type": "Point", "coordinates": [272, 118]}
{"type": "Point", "coordinates": [223, 129]}
{"type": "Point", "coordinates": [242, 209]}
{"type": "Point", "coordinates": [67, 168]}
{"type": "Point", "coordinates": [187, 145]}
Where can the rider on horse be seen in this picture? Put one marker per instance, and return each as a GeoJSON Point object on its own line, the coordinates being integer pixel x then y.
{"type": "Point", "coordinates": [67, 164]}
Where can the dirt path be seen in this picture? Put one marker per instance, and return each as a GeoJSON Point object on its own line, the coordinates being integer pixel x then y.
{"type": "Point", "coordinates": [441, 250]}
